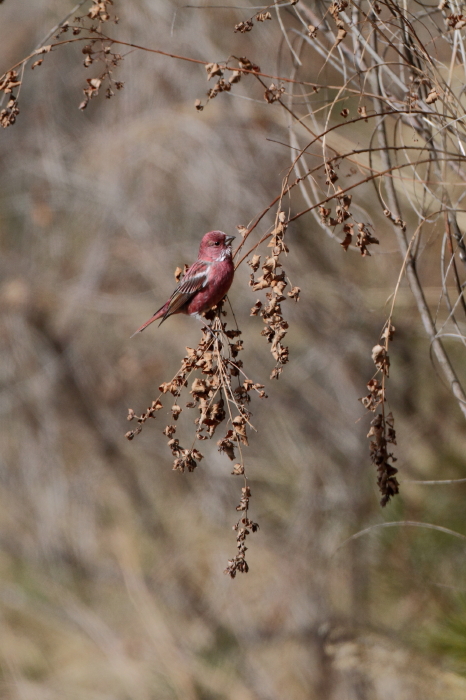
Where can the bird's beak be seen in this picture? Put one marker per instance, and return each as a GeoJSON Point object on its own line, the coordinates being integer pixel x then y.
{"type": "Point", "coordinates": [229, 239]}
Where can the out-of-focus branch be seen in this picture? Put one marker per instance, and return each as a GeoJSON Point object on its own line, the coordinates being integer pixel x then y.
{"type": "Point", "coordinates": [411, 272]}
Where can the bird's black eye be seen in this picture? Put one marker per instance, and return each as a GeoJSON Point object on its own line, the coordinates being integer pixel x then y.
{"type": "Point", "coordinates": [217, 243]}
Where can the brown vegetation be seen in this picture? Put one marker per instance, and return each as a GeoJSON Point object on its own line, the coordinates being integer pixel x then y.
{"type": "Point", "coordinates": [331, 136]}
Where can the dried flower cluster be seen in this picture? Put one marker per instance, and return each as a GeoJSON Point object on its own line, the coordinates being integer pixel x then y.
{"type": "Point", "coordinates": [98, 50]}
{"type": "Point", "coordinates": [248, 24]}
{"type": "Point", "coordinates": [273, 93]}
{"type": "Point", "coordinates": [334, 10]}
{"type": "Point", "coordinates": [11, 81]}
{"type": "Point", "coordinates": [8, 83]}
{"type": "Point", "coordinates": [220, 393]}
{"type": "Point", "coordinates": [273, 278]}
{"type": "Point", "coordinates": [364, 237]}
{"type": "Point", "coordinates": [382, 431]}
{"type": "Point", "coordinates": [244, 67]}
{"type": "Point", "coordinates": [261, 16]}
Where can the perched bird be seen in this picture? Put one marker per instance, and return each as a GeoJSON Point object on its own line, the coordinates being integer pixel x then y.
{"type": "Point", "coordinates": [204, 284]}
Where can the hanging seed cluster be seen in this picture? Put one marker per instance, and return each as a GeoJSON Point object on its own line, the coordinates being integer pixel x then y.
{"type": "Point", "coordinates": [334, 11]}
{"type": "Point", "coordinates": [243, 68]}
{"type": "Point", "coordinates": [8, 83]}
{"type": "Point", "coordinates": [382, 431]}
{"type": "Point", "coordinates": [98, 51]}
{"type": "Point", "coordinates": [273, 93]}
{"type": "Point", "coordinates": [274, 278]}
{"type": "Point", "coordinates": [212, 377]}
{"type": "Point", "coordinates": [262, 16]}
{"type": "Point", "coordinates": [364, 237]}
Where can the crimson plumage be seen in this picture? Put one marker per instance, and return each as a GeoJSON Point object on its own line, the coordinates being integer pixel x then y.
{"type": "Point", "coordinates": [204, 284]}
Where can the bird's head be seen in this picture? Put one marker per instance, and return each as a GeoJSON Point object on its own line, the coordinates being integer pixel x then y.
{"type": "Point", "coordinates": [215, 246]}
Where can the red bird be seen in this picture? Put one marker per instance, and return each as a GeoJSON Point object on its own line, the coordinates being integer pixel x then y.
{"type": "Point", "coordinates": [205, 283]}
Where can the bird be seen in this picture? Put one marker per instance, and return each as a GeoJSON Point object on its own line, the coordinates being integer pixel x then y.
{"type": "Point", "coordinates": [204, 284]}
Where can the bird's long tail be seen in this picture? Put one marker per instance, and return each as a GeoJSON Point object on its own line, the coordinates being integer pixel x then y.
{"type": "Point", "coordinates": [158, 314]}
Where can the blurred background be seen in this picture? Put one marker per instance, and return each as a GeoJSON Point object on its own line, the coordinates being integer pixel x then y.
{"type": "Point", "coordinates": [111, 564]}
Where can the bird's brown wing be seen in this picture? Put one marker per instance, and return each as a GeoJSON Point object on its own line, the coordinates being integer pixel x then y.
{"type": "Point", "coordinates": [194, 280]}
